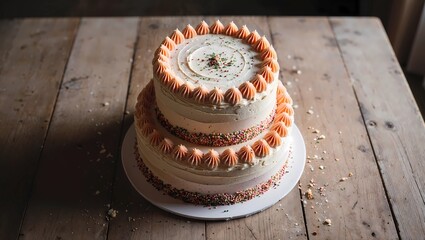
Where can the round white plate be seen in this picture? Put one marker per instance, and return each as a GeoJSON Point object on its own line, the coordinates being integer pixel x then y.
{"type": "Point", "coordinates": [273, 195]}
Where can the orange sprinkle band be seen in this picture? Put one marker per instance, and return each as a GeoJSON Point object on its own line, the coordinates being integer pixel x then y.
{"type": "Point", "coordinates": [189, 32]}
{"type": "Point", "coordinates": [243, 32]}
{"type": "Point", "coordinates": [202, 28]}
{"type": "Point", "coordinates": [231, 29]}
{"type": "Point", "coordinates": [177, 36]}
{"type": "Point", "coordinates": [217, 27]}
{"type": "Point", "coordinates": [259, 83]}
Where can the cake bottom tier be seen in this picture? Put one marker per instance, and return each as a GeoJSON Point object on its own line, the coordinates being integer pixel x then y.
{"type": "Point", "coordinates": [209, 195]}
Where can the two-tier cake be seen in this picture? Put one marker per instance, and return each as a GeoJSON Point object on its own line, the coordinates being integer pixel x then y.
{"type": "Point", "coordinates": [213, 124]}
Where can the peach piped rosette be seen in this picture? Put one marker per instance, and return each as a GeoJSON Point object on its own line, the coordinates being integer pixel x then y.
{"type": "Point", "coordinates": [161, 57]}
{"type": "Point", "coordinates": [229, 157]}
{"type": "Point", "coordinates": [285, 107]}
{"type": "Point", "coordinates": [217, 27]}
{"type": "Point", "coordinates": [160, 67]}
{"type": "Point", "coordinates": [179, 152]}
{"type": "Point", "coordinates": [155, 138]}
{"type": "Point", "coordinates": [163, 50]}
{"type": "Point", "coordinates": [202, 28]}
{"type": "Point", "coordinates": [231, 29]}
{"type": "Point", "coordinates": [166, 146]}
{"type": "Point", "coordinates": [246, 154]}
{"type": "Point", "coordinates": [200, 94]}
{"type": "Point", "coordinates": [174, 84]}
{"type": "Point", "coordinates": [189, 32]}
{"type": "Point", "coordinates": [194, 157]}
{"type": "Point", "coordinates": [233, 96]}
{"type": "Point", "coordinates": [186, 90]}
{"type": "Point", "coordinates": [273, 139]}
{"type": "Point", "coordinates": [261, 44]}
{"type": "Point", "coordinates": [259, 83]}
{"type": "Point", "coordinates": [272, 63]}
{"type": "Point", "coordinates": [253, 37]}
{"type": "Point", "coordinates": [216, 96]}
{"type": "Point", "coordinates": [169, 43]}
{"type": "Point", "coordinates": [177, 36]}
{"type": "Point", "coordinates": [268, 53]}
{"type": "Point", "coordinates": [261, 148]}
{"type": "Point", "coordinates": [267, 73]}
{"type": "Point", "coordinates": [280, 128]}
{"type": "Point", "coordinates": [166, 76]}
{"type": "Point", "coordinates": [283, 117]}
{"type": "Point", "coordinates": [248, 90]}
{"type": "Point", "coordinates": [212, 159]}
{"type": "Point", "coordinates": [243, 32]}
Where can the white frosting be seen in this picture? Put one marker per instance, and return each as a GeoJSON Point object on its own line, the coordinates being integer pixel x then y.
{"type": "Point", "coordinates": [237, 61]}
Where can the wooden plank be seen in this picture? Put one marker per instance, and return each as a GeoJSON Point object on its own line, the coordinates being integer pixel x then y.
{"type": "Point", "coordinates": [284, 219]}
{"type": "Point", "coordinates": [73, 185]}
{"type": "Point", "coordinates": [30, 74]}
{"type": "Point", "coordinates": [394, 123]}
{"type": "Point", "coordinates": [138, 218]}
{"type": "Point", "coordinates": [356, 205]}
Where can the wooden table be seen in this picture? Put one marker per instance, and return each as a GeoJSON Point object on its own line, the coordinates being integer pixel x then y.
{"type": "Point", "coordinates": [67, 94]}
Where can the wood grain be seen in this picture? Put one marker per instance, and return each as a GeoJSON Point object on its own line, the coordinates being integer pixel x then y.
{"type": "Point", "coordinates": [139, 219]}
{"type": "Point", "coordinates": [394, 123]}
{"type": "Point", "coordinates": [318, 81]}
{"type": "Point", "coordinates": [72, 188]}
{"type": "Point", "coordinates": [285, 218]}
{"type": "Point", "coordinates": [30, 75]}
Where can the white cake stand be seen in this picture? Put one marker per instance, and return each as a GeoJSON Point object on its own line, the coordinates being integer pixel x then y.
{"type": "Point", "coordinates": [273, 195]}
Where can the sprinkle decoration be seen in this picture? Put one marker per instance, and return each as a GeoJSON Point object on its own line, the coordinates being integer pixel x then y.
{"type": "Point", "coordinates": [216, 139]}
{"type": "Point", "coordinates": [209, 199]}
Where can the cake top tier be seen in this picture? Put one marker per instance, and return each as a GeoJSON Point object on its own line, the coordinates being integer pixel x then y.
{"type": "Point", "coordinates": [216, 64]}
